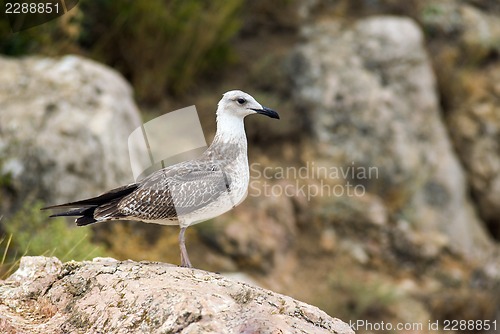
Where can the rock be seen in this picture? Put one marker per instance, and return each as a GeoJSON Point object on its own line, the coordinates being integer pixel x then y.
{"type": "Point", "coordinates": [470, 94]}
{"type": "Point", "coordinates": [328, 240]}
{"type": "Point", "coordinates": [475, 128]}
{"type": "Point", "coordinates": [372, 96]}
{"type": "Point", "coordinates": [257, 235]}
{"type": "Point", "coordinates": [369, 209]}
{"type": "Point", "coordinates": [64, 128]}
{"type": "Point", "coordinates": [476, 32]}
{"type": "Point", "coordinates": [109, 296]}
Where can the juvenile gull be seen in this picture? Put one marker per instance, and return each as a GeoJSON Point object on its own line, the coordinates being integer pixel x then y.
{"type": "Point", "coordinates": [189, 192]}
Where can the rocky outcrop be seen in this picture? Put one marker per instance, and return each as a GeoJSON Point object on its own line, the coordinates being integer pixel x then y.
{"type": "Point", "coordinates": [373, 98]}
{"type": "Point", "coordinates": [470, 78]}
{"type": "Point", "coordinates": [475, 125]}
{"type": "Point", "coordinates": [109, 296]}
{"type": "Point", "coordinates": [64, 125]}
{"type": "Point", "coordinates": [258, 235]}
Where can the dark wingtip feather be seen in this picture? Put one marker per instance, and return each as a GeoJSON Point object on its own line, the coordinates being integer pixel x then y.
{"type": "Point", "coordinates": [86, 208]}
{"type": "Point", "coordinates": [85, 220]}
{"type": "Point", "coordinates": [99, 200]}
{"type": "Point", "coordinates": [66, 205]}
{"type": "Point", "coordinates": [87, 215]}
{"type": "Point", "coordinates": [75, 212]}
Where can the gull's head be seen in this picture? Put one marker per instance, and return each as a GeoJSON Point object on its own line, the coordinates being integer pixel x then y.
{"type": "Point", "coordinates": [241, 104]}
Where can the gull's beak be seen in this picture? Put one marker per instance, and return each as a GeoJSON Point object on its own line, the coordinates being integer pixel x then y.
{"type": "Point", "coordinates": [268, 112]}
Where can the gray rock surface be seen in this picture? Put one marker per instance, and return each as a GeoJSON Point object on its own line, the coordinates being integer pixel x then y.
{"type": "Point", "coordinates": [475, 29]}
{"type": "Point", "coordinates": [472, 93]}
{"type": "Point", "coordinates": [109, 296]}
{"type": "Point", "coordinates": [258, 235]}
{"type": "Point", "coordinates": [64, 125]}
{"type": "Point", "coordinates": [372, 93]}
{"type": "Point", "coordinates": [475, 128]}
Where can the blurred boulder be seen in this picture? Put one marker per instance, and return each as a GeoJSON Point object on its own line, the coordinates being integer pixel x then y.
{"type": "Point", "coordinates": [474, 29]}
{"type": "Point", "coordinates": [109, 296]}
{"type": "Point", "coordinates": [471, 93]}
{"type": "Point", "coordinates": [64, 125]}
{"type": "Point", "coordinates": [373, 101]}
{"type": "Point", "coordinates": [475, 127]}
{"type": "Point", "coordinates": [258, 234]}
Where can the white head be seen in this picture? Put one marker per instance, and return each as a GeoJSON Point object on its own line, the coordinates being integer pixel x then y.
{"type": "Point", "coordinates": [240, 104]}
{"type": "Point", "coordinates": [232, 109]}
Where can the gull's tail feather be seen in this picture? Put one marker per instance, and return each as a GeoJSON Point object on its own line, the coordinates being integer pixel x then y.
{"type": "Point", "coordinates": [99, 200]}
{"type": "Point", "coordinates": [86, 213]}
{"type": "Point", "coordinates": [86, 208]}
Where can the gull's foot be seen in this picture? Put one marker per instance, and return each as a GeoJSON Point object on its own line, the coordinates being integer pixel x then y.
{"type": "Point", "coordinates": [186, 264]}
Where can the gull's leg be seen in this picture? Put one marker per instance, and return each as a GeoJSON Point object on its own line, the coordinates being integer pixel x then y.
{"type": "Point", "coordinates": [184, 254]}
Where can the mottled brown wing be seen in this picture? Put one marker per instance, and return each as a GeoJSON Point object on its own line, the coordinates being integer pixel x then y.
{"type": "Point", "coordinates": [176, 191]}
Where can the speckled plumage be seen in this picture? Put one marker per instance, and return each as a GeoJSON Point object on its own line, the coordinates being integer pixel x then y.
{"type": "Point", "coordinates": [189, 192]}
{"type": "Point", "coordinates": [180, 194]}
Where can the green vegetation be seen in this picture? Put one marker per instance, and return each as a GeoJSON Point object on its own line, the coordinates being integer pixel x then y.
{"type": "Point", "coordinates": [52, 38]}
{"type": "Point", "coordinates": [365, 297]}
{"type": "Point", "coordinates": [31, 232]}
{"type": "Point", "coordinates": [161, 46]}
{"type": "Point", "coordinates": [5, 178]}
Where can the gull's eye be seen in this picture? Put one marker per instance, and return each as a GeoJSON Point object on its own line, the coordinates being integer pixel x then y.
{"type": "Point", "coordinates": [241, 101]}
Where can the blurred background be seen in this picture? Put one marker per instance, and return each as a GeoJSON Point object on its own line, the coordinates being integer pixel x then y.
{"type": "Point", "coordinates": [409, 90]}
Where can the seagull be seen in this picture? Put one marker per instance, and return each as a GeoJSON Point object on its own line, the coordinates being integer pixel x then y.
{"type": "Point", "coordinates": [189, 192]}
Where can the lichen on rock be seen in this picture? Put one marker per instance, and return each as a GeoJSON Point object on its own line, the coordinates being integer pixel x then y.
{"type": "Point", "coordinates": [110, 296]}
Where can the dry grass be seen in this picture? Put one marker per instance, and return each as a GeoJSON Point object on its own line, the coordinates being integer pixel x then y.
{"type": "Point", "coordinates": [161, 46]}
{"type": "Point", "coordinates": [31, 232]}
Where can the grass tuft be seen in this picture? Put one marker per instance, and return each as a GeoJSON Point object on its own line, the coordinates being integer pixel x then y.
{"type": "Point", "coordinates": [31, 232]}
